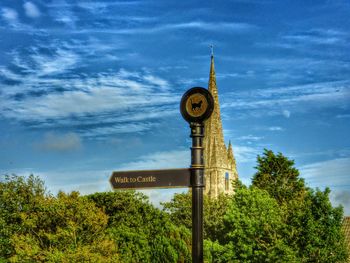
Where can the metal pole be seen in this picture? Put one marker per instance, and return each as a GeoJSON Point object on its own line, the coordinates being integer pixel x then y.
{"type": "Point", "coordinates": [197, 183]}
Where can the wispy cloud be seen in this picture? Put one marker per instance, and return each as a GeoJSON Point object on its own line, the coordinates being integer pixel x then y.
{"type": "Point", "coordinates": [60, 62]}
{"type": "Point", "coordinates": [333, 173]}
{"type": "Point", "coordinates": [9, 14]}
{"type": "Point", "coordinates": [286, 113]}
{"type": "Point", "coordinates": [160, 160]}
{"type": "Point", "coordinates": [46, 91]}
{"type": "Point", "coordinates": [118, 128]}
{"type": "Point", "coordinates": [221, 26]}
{"type": "Point", "coordinates": [109, 93]}
{"type": "Point", "coordinates": [60, 142]}
{"type": "Point", "coordinates": [282, 101]}
{"type": "Point", "coordinates": [31, 10]}
{"type": "Point", "coordinates": [14, 23]}
{"type": "Point", "coordinates": [317, 36]}
{"type": "Point", "coordinates": [245, 154]}
{"type": "Point", "coordinates": [250, 137]}
{"type": "Point", "coordinates": [102, 7]}
{"type": "Point", "coordinates": [275, 128]}
{"type": "Point", "coordinates": [227, 27]}
{"type": "Point", "coordinates": [63, 14]}
{"type": "Point", "coordinates": [341, 197]}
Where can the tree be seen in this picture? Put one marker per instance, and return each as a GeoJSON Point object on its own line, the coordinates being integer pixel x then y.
{"type": "Point", "coordinates": [320, 238]}
{"type": "Point", "coordinates": [44, 228]}
{"type": "Point", "coordinates": [277, 175]}
{"type": "Point", "coordinates": [180, 211]}
{"type": "Point", "coordinates": [313, 225]}
{"type": "Point", "coordinates": [18, 196]}
{"type": "Point", "coordinates": [142, 232]}
{"type": "Point", "coordinates": [253, 230]}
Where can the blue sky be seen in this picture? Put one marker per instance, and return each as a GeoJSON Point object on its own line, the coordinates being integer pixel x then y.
{"type": "Point", "coordinates": [89, 87]}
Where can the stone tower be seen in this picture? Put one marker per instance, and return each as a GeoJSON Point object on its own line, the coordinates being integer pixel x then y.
{"type": "Point", "coordinates": [220, 163]}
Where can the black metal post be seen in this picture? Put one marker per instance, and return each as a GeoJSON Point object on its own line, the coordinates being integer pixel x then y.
{"type": "Point", "coordinates": [197, 183]}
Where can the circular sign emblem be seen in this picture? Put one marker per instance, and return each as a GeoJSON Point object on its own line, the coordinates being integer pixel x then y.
{"type": "Point", "coordinates": [196, 105]}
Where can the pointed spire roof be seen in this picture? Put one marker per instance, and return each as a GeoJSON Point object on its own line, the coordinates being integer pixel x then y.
{"type": "Point", "coordinates": [230, 151]}
{"type": "Point", "coordinates": [215, 120]}
{"type": "Point", "coordinates": [212, 82]}
{"type": "Point", "coordinates": [214, 138]}
{"type": "Point", "coordinates": [218, 159]}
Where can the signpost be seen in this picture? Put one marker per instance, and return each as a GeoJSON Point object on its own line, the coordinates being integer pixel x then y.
{"type": "Point", "coordinates": [151, 179]}
{"type": "Point", "coordinates": [197, 104]}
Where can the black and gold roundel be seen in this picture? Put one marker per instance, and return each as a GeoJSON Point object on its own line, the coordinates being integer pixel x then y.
{"type": "Point", "coordinates": [197, 105]}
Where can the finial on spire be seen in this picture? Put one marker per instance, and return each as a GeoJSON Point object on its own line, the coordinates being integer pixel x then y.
{"type": "Point", "coordinates": [212, 49]}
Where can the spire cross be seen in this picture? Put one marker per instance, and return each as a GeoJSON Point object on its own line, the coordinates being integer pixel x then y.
{"type": "Point", "coordinates": [212, 50]}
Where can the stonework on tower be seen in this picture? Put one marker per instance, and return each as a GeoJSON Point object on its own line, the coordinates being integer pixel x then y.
{"type": "Point", "coordinates": [219, 160]}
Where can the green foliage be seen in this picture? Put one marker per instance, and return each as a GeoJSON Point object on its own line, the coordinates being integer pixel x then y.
{"type": "Point", "coordinates": [43, 228]}
{"type": "Point", "coordinates": [276, 174]}
{"type": "Point", "coordinates": [18, 197]}
{"type": "Point", "coordinates": [277, 219]}
{"type": "Point", "coordinates": [142, 232]}
{"type": "Point", "coordinates": [313, 226]}
{"type": "Point", "coordinates": [320, 238]}
{"type": "Point", "coordinates": [180, 211]}
{"type": "Point", "coordinates": [253, 229]}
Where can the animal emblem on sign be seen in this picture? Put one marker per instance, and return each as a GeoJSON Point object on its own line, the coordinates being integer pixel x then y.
{"type": "Point", "coordinates": [196, 106]}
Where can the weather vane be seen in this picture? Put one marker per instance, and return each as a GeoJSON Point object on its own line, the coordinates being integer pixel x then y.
{"type": "Point", "coordinates": [212, 50]}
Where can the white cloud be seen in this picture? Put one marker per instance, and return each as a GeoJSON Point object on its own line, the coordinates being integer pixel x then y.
{"type": "Point", "coordinates": [341, 197]}
{"type": "Point", "coordinates": [158, 196]}
{"type": "Point", "coordinates": [31, 10]}
{"type": "Point", "coordinates": [249, 138]}
{"type": "Point", "coordinates": [298, 99]}
{"type": "Point", "coordinates": [334, 174]}
{"type": "Point", "coordinates": [160, 160]}
{"type": "Point", "coordinates": [59, 63]}
{"type": "Point", "coordinates": [93, 100]}
{"type": "Point", "coordinates": [9, 14]}
{"type": "Point", "coordinates": [156, 81]}
{"type": "Point", "coordinates": [219, 26]}
{"type": "Point", "coordinates": [322, 36]}
{"type": "Point", "coordinates": [286, 113]}
{"type": "Point", "coordinates": [275, 128]}
{"type": "Point", "coordinates": [226, 27]}
{"type": "Point", "coordinates": [63, 13]}
{"type": "Point", "coordinates": [106, 105]}
{"type": "Point", "coordinates": [60, 142]}
{"type": "Point", "coordinates": [118, 128]}
{"type": "Point", "coordinates": [245, 154]}
{"type": "Point", "coordinates": [119, 99]}
{"type": "Point", "coordinates": [313, 39]}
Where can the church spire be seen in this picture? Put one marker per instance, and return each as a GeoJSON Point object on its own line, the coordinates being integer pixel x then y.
{"type": "Point", "coordinates": [212, 81]}
{"type": "Point", "coordinates": [214, 124]}
{"type": "Point", "coordinates": [219, 162]}
{"type": "Point", "coordinates": [230, 155]}
{"type": "Point", "coordinates": [230, 151]}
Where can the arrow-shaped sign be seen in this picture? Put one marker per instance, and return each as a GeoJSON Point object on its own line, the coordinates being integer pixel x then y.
{"type": "Point", "coordinates": [151, 179]}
